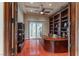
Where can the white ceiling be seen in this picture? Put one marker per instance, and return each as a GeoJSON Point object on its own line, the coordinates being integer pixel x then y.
{"type": "Point", "coordinates": [34, 7]}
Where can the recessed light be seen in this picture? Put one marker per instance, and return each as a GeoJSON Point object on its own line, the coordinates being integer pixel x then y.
{"type": "Point", "coordinates": [50, 4]}
{"type": "Point", "coordinates": [31, 10]}
{"type": "Point", "coordinates": [31, 2]}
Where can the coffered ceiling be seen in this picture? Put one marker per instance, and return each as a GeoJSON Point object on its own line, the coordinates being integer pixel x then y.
{"type": "Point", "coordinates": [34, 7]}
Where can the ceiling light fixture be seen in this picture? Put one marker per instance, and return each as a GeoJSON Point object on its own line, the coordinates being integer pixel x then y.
{"type": "Point", "coordinates": [41, 12]}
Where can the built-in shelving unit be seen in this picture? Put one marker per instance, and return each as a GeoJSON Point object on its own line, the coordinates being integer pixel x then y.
{"type": "Point", "coordinates": [64, 23]}
{"type": "Point", "coordinates": [20, 36]}
{"type": "Point", "coordinates": [51, 25]}
{"type": "Point", "coordinates": [56, 24]}
{"type": "Point", "coordinates": [60, 23]}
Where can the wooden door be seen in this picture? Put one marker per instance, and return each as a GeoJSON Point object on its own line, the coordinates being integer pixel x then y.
{"type": "Point", "coordinates": [7, 27]}
{"type": "Point", "coordinates": [10, 19]}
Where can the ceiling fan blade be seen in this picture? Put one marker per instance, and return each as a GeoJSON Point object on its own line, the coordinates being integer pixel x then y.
{"type": "Point", "coordinates": [43, 9]}
{"type": "Point", "coordinates": [46, 11]}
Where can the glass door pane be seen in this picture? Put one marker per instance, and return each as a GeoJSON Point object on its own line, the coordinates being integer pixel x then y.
{"type": "Point", "coordinates": [35, 30]}
{"type": "Point", "coordinates": [39, 30]}
{"type": "Point", "coordinates": [32, 30]}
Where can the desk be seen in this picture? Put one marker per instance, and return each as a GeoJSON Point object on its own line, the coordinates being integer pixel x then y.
{"type": "Point", "coordinates": [56, 45]}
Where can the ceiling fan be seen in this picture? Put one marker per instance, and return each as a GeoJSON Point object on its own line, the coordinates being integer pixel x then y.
{"type": "Point", "coordinates": [43, 10]}
{"type": "Point", "coordinates": [40, 9]}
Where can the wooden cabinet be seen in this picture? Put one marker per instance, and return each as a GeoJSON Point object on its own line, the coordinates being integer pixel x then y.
{"type": "Point", "coordinates": [60, 46]}
{"type": "Point", "coordinates": [47, 45]}
{"type": "Point", "coordinates": [56, 46]}
{"type": "Point", "coordinates": [20, 36]}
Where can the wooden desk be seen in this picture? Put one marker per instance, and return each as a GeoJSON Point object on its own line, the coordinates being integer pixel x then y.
{"type": "Point", "coordinates": [56, 45]}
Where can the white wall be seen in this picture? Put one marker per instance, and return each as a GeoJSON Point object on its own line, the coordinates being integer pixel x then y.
{"type": "Point", "coordinates": [35, 17]}
{"type": "Point", "coordinates": [1, 28]}
{"type": "Point", "coordinates": [20, 15]}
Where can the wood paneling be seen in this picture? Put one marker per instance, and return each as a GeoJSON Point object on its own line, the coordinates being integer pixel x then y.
{"type": "Point", "coordinates": [15, 10]}
{"type": "Point", "coordinates": [73, 26]}
{"type": "Point", "coordinates": [7, 28]}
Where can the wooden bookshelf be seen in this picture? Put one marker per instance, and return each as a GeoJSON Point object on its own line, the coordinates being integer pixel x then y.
{"type": "Point", "coordinates": [60, 23]}
{"type": "Point", "coordinates": [56, 24]}
{"type": "Point", "coordinates": [64, 23]}
{"type": "Point", "coordinates": [51, 25]}
{"type": "Point", "coordinates": [20, 37]}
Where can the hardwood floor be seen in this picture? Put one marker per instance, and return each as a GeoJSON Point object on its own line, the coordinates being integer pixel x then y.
{"type": "Point", "coordinates": [34, 48]}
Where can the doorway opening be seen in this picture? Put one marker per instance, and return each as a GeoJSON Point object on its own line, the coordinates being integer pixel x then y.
{"type": "Point", "coordinates": [46, 33]}
{"type": "Point", "coordinates": [35, 29]}
{"type": "Point", "coordinates": [53, 30]}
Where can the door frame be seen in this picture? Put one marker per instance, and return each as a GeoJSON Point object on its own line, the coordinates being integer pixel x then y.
{"type": "Point", "coordinates": [8, 19]}
{"type": "Point", "coordinates": [73, 28]}
{"type": "Point", "coordinates": [7, 28]}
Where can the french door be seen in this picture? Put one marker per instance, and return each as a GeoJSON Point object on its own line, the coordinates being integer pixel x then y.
{"type": "Point", "coordinates": [35, 29]}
